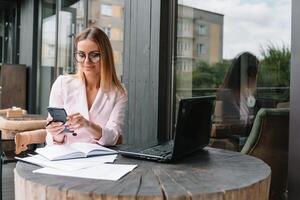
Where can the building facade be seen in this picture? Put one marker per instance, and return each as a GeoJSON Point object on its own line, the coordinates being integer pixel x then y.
{"type": "Point", "coordinates": [199, 37]}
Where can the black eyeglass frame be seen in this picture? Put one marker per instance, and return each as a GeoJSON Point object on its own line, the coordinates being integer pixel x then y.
{"type": "Point", "coordinates": [89, 56]}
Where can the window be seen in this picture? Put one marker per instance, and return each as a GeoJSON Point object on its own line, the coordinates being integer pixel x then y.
{"type": "Point", "coordinates": [179, 47]}
{"type": "Point", "coordinates": [179, 26]}
{"type": "Point", "coordinates": [200, 49]}
{"type": "Point", "coordinates": [106, 9]}
{"type": "Point", "coordinates": [185, 26]}
{"type": "Point", "coordinates": [71, 21]}
{"type": "Point", "coordinates": [221, 64]}
{"type": "Point", "coordinates": [201, 29]}
{"type": "Point", "coordinates": [107, 30]}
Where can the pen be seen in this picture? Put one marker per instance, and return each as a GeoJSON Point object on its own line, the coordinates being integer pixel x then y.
{"type": "Point", "coordinates": [48, 123]}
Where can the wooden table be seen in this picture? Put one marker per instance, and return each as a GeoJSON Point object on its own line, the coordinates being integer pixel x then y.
{"type": "Point", "coordinates": [208, 174]}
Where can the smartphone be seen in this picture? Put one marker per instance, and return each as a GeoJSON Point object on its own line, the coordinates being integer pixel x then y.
{"type": "Point", "coordinates": [59, 115]}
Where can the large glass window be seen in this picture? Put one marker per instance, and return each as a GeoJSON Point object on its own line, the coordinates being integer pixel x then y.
{"type": "Point", "coordinates": [57, 46]}
{"type": "Point", "coordinates": [109, 16]}
{"type": "Point", "coordinates": [240, 53]}
{"type": "Point", "coordinates": [47, 62]}
{"type": "Point", "coordinates": [71, 21]}
{"type": "Point", "coordinates": [8, 49]}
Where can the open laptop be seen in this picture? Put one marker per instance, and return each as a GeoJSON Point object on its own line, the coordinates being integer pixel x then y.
{"type": "Point", "coordinates": [192, 132]}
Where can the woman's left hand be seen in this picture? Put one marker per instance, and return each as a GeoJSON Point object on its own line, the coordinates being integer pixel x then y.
{"type": "Point", "coordinates": [76, 121]}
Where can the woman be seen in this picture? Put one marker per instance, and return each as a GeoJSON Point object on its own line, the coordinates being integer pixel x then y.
{"type": "Point", "coordinates": [93, 98]}
{"type": "Point", "coordinates": [235, 98]}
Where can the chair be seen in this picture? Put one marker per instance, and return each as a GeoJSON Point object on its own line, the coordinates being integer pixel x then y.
{"type": "Point", "coordinates": [268, 140]}
{"type": "Point", "coordinates": [23, 139]}
{"type": "Point", "coordinates": [9, 127]}
{"type": "Point", "coordinates": [283, 104]}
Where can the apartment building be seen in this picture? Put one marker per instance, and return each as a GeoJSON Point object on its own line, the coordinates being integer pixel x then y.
{"type": "Point", "coordinates": [199, 37]}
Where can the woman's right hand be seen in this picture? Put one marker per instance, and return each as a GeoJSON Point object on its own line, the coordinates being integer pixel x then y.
{"type": "Point", "coordinates": [56, 130]}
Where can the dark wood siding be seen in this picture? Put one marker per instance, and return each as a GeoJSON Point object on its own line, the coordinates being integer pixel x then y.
{"type": "Point", "coordinates": [13, 83]}
{"type": "Point", "coordinates": [141, 64]}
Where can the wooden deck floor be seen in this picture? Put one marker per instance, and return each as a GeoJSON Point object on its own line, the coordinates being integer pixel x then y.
{"type": "Point", "coordinates": [8, 188]}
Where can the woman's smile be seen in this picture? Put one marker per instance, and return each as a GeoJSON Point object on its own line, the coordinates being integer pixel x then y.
{"type": "Point", "coordinates": [89, 67]}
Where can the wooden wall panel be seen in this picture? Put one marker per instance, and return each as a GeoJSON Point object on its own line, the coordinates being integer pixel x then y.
{"type": "Point", "coordinates": [13, 85]}
{"type": "Point", "coordinates": [141, 69]}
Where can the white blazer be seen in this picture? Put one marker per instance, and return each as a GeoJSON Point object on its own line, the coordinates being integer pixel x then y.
{"type": "Point", "coordinates": [107, 110]}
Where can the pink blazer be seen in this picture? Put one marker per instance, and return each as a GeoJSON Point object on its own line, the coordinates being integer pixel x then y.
{"type": "Point", "coordinates": [107, 111]}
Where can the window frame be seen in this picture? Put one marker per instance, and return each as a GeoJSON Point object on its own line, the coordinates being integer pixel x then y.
{"type": "Point", "coordinates": [202, 29]}
{"type": "Point", "coordinates": [167, 60]}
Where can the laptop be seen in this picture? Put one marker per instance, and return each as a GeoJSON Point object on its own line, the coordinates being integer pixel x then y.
{"type": "Point", "coordinates": [192, 132]}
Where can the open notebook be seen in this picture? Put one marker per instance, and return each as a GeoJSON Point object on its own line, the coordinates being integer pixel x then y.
{"type": "Point", "coordinates": [74, 150]}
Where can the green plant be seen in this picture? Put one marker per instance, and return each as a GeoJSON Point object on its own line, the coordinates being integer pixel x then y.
{"type": "Point", "coordinates": [274, 70]}
{"type": "Point", "coordinates": [209, 76]}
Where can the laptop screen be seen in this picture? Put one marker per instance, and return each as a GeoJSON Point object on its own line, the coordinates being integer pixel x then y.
{"type": "Point", "coordinates": [193, 125]}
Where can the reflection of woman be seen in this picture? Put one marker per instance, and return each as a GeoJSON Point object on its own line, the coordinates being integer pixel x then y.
{"type": "Point", "coordinates": [94, 98]}
{"type": "Point", "coordinates": [238, 89]}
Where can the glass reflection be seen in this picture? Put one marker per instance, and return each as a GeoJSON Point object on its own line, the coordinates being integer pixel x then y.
{"type": "Point", "coordinates": [199, 44]}
{"type": "Point", "coordinates": [47, 72]}
{"type": "Point", "coordinates": [238, 51]}
{"type": "Point", "coordinates": [71, 21]}
{"type": "Point", "coordinates": [109, 16]}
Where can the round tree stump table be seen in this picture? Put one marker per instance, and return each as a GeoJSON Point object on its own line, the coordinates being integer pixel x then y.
{"type": "Point", "coordinates": [207, 174]}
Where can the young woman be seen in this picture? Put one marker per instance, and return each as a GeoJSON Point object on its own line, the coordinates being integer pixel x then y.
{"type": "Point", "coordinates": [93, 98]}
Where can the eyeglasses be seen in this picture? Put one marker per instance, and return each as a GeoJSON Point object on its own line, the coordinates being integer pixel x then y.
{"type": "Point", "coordinates": [80, 56]}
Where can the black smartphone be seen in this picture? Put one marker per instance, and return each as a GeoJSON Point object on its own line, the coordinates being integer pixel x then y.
{"type": "Point", "coordinates": [59, 115]}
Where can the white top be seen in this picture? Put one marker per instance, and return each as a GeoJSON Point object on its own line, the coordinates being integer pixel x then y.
{"type": "Point", "coordinates": [107, 110]}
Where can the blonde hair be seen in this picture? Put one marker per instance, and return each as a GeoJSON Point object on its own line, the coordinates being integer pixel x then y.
{"type": "Point", "coordinates": [108, 75]}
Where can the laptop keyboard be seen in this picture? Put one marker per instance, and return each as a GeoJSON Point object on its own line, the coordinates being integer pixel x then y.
{"type": "Point", "coordinates": [160, 150]}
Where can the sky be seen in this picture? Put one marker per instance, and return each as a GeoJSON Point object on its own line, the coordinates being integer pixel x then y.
{"type": "Point", "coordinates": [250, 24]}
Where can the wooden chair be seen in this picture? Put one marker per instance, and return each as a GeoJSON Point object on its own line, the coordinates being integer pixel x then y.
{"type": "Point", "coordinates": [9, 127]}
{"type": "Point", "coordinates": [268, 140]}
{"type": "Point", "coordinates": [23, 139]}
{"type": "Point", "coordinates": [283, 104]}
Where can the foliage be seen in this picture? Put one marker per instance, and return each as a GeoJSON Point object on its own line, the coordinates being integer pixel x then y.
{"type": "Point", "coordinates": [273, 77]}
{"type": "Point", "coordinates": [274, 70]}
{"type": "Point", "coordinates": [209, 76]}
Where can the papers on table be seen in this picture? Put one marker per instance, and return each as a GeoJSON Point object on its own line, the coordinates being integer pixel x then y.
{"type": "Point", "coordinates": [111, 172]}
{"type": "Point", "coordinates": [69, 165]}
{"type": "Point", "coordinates": [74, 150]}
{"type": "Point", "coordinates": [92, 167]}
